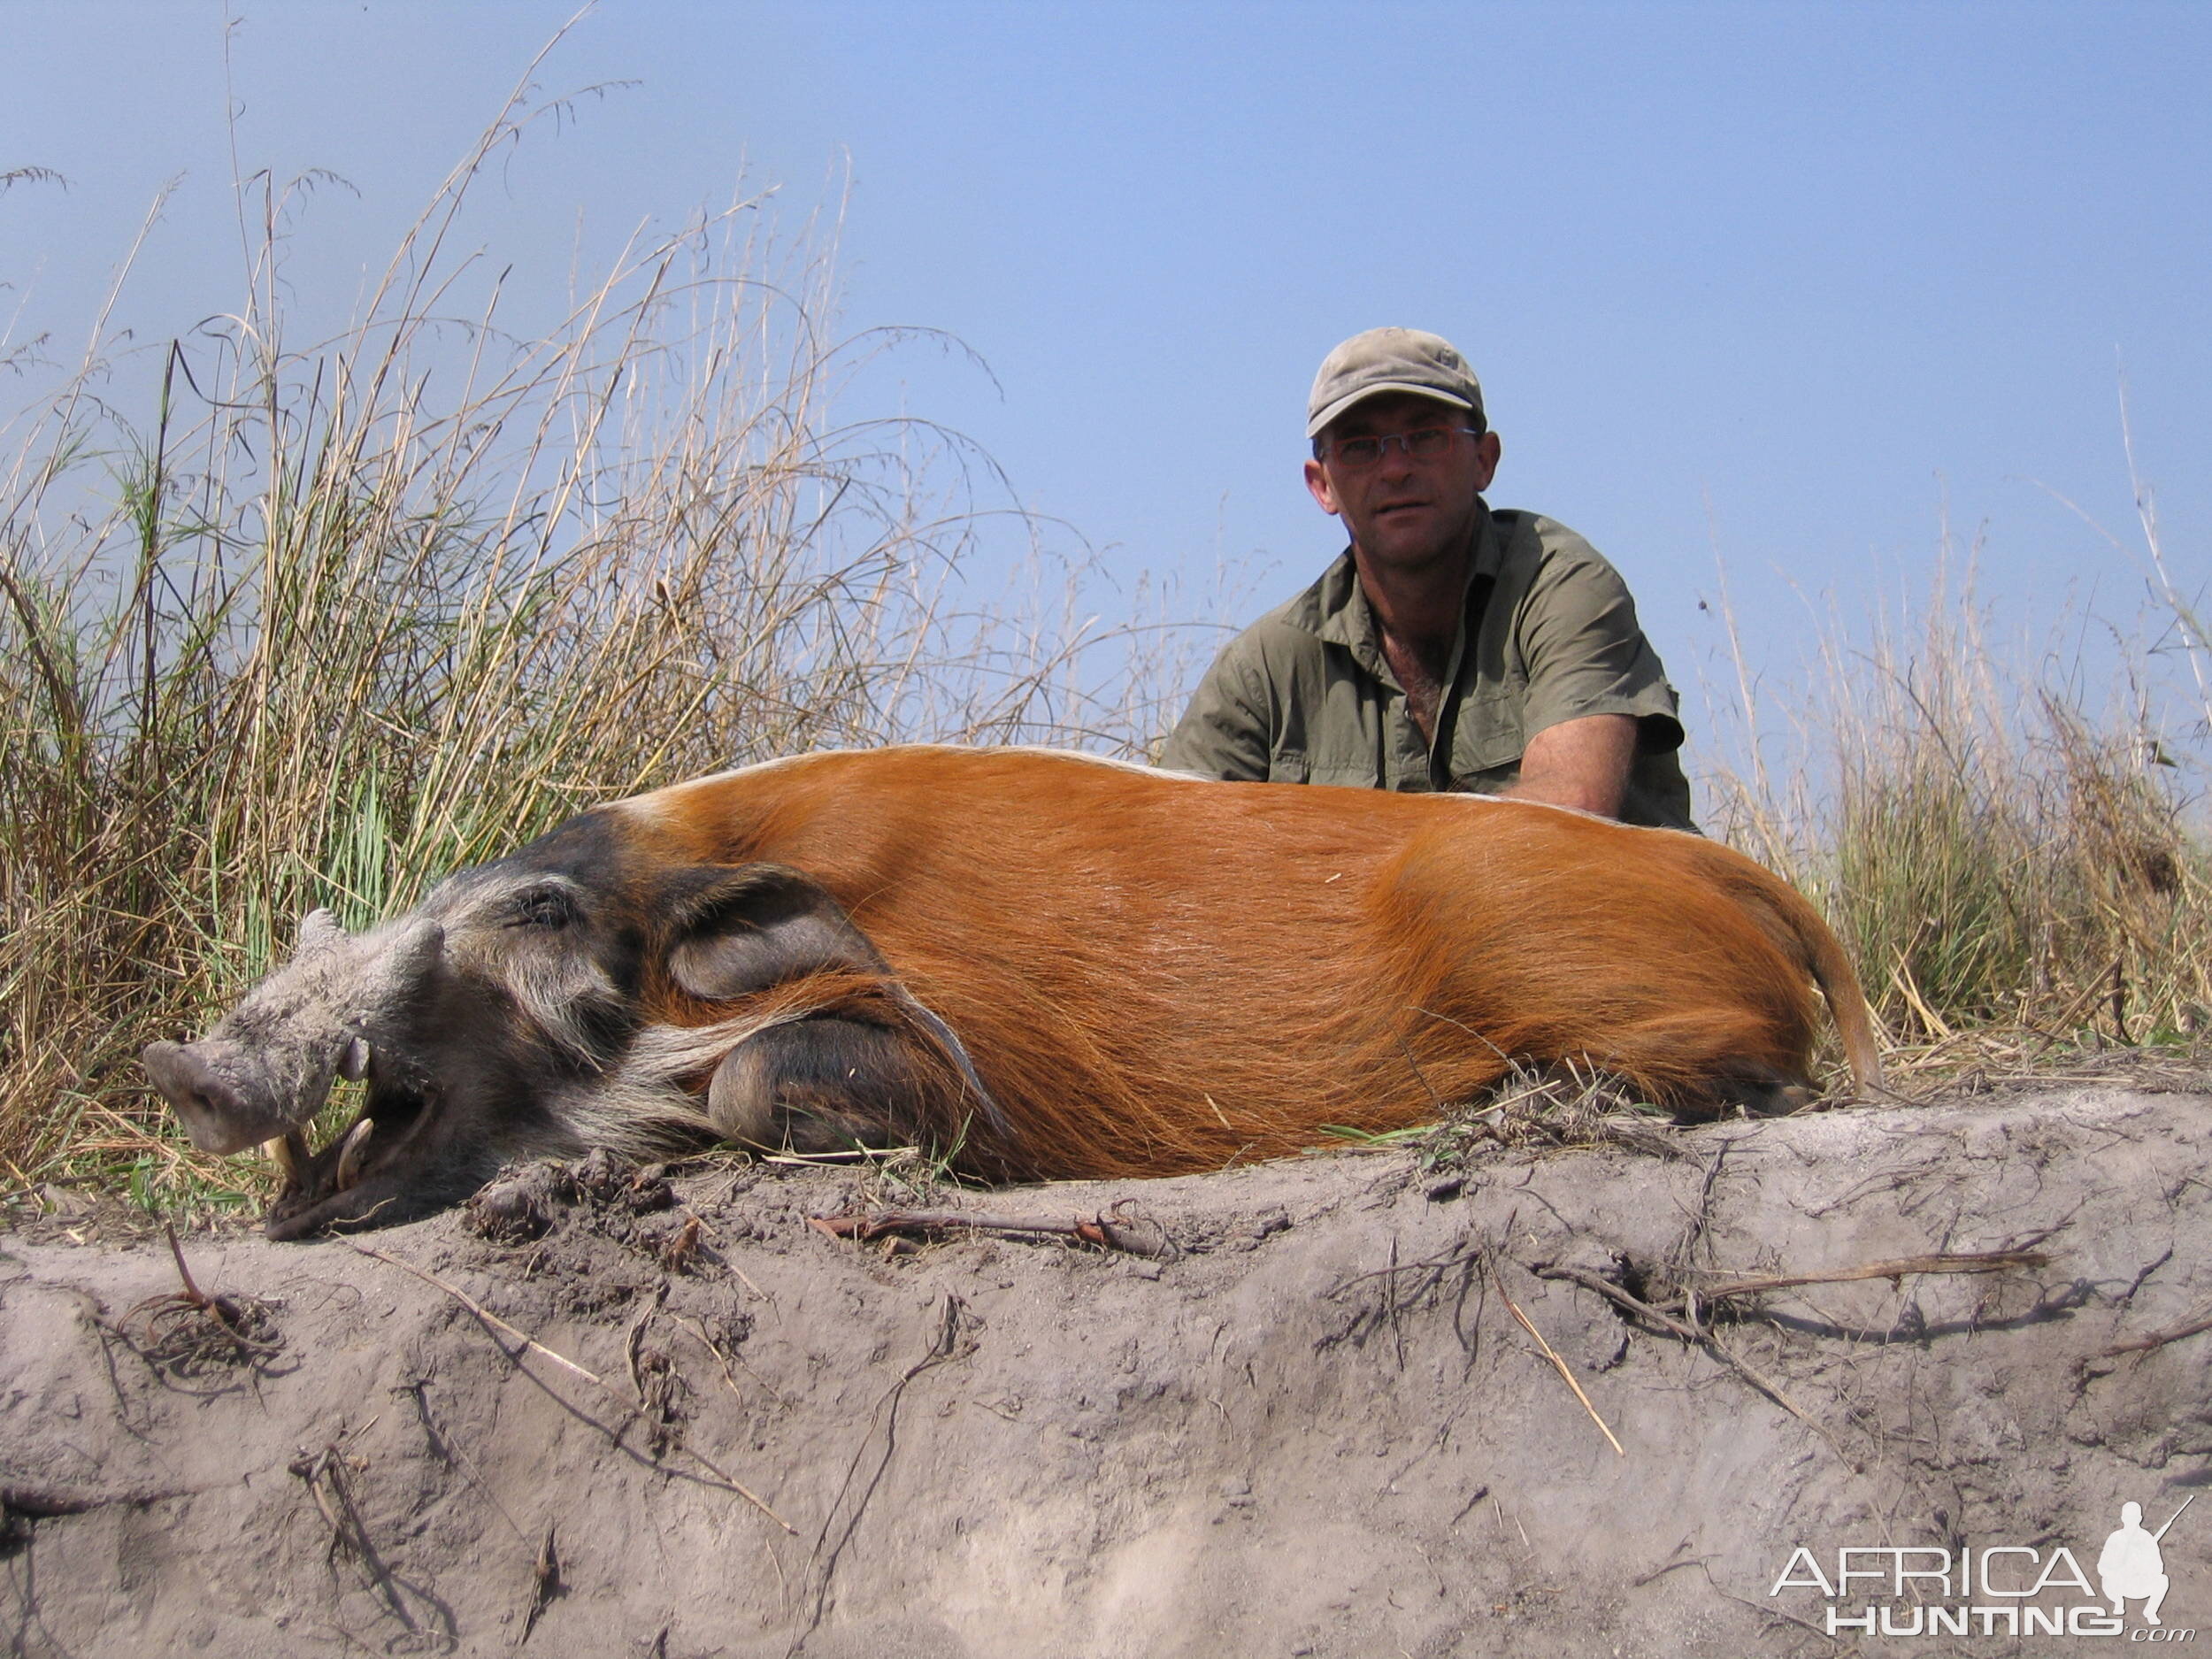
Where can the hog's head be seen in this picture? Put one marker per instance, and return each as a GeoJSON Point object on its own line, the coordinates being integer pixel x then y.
{"type": "Point", "coordinates": [578, 993]}
{"type": "Point", "coordinates": [344, 1006]}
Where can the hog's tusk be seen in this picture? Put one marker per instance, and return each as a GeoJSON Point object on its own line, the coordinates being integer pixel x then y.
{"type": "Point", "coordinates": [279, 1152]}
{"type": "Point", "coordinates": [349, 1153]}
{"type": "Point", "coordinates": [353, 1065]}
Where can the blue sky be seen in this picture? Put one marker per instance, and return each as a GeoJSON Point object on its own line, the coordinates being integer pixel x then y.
{"type": "Point", "coordinates": [1789, 285]}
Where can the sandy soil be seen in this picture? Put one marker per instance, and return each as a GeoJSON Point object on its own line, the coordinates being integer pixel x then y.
{"type": "Point", "coordinates": [1310, 1423]}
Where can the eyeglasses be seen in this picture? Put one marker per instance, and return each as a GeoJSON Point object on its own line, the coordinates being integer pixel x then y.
{"type": "Point", "coordinates": [1358, 454]}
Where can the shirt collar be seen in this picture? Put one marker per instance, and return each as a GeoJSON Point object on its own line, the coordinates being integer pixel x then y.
{"type": "Point", "coordinates": [1335, 610]}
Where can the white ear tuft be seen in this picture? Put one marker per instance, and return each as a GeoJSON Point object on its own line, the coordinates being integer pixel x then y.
{"type": "Point", "coordinates": [319, 931]}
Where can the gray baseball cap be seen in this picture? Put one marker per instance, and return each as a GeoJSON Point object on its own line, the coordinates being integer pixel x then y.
{"type": "Point", "coordinates": [1391, 360]}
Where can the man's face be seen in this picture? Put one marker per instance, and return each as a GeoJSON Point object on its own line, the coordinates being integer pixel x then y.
{"type": "Point", "coordinates": [1404, 513]}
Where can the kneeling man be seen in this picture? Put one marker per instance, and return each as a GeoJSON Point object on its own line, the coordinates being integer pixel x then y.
{"type": "Point", "coordinates": [1451, 645]}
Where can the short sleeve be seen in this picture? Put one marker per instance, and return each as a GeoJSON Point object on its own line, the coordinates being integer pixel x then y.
{"type": "Point", "coordinates": [1223, 733]}
{"type": "Point", "coordinates": [1586, 653]}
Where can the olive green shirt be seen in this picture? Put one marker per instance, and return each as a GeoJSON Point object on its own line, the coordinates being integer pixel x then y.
{"type": "Point", "coordinates": [1305, 694]}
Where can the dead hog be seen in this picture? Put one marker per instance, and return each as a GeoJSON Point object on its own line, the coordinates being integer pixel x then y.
{"type": "Point", "coordinates": [1042, 965]}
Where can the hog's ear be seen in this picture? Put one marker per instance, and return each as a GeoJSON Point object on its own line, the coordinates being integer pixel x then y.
{"type": "Point", "coordinates": [319, 931]}
{"type": "Point", "coordinates": [401, 969]}
{"type": "Point", "coordinates": [740, 928]}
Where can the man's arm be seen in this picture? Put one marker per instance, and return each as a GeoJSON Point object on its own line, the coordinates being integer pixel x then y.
{"type": "Point", "coordinates": [1600, 715]}
{"type": "Point", "coordinates": [1581, 763]}
{"type": "Point", "coordinates": [1223, 733]}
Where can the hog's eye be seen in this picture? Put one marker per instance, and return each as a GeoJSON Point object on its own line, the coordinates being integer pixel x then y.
{"type": "Point", "coordinates": [549, 907]}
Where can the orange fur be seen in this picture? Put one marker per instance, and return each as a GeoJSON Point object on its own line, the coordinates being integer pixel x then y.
{"type": "Point", "coordinates": [1155, 974]}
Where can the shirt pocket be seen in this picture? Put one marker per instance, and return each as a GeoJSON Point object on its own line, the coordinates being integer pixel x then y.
{"type": "Point", "coordinates": [1488, 736]}
{"type": "Point", "coordinates": [1289, 766]}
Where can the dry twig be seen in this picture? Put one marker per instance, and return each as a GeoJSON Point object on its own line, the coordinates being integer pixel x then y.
{"type": "Point", "coordinates": [1969, 1262]}
{"type": "Point", "coordinates": [532, 1345]}
{"type": "Point", "coordinates": [1694, 1334]}
{"type": "Point", "coordinates": [1115, 1234]}
{"type": "Point", "coordinates": [324, 1475]}
{"type": "Point", "coordinates": [2195, 1323]}
{"type": "Point", "coordinates": [948, 1341]}
{"type": "Point", "coordinates": [545, 1584]}
{"type": "Point", "coordinates": [1560, 1365]}
{"type": "Point", "coordinates": [482, 1313]}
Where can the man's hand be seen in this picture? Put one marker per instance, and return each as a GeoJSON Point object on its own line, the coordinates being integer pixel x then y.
{"type": "Point", "coordinates": [1582, 764]}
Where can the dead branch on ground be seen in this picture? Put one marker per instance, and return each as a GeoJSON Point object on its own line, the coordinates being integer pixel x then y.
{"type": "Point", "coordinates": [1427, 1278]}
{"type": "Point", "coordinates": [492, 1321]}
{"type": "Point", "coordinates": [950, 1340]}
{"type": "Point", "coordinates": [1113, 1232]}
{"type": "Point", "coordinates": [545, 1584]}
{"type": "Point", "coordinates": [323, 1474]}
{"type": "Point", "coordinates": [1560, 1365]}
{"type": "Point", "coordinates": [2196, 1322]}
{"type": "Point", "coordinates": [1967, 1261]}
{"type": "Point", "coordinates": [1695, 1334]}
{"type": "Point", "coordinates": [483, 1313]}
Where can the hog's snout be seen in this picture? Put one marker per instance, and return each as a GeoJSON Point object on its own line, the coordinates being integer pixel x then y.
{"type": "Point", "coordinates": [225, 1104]}
{"type": "Point", "coordinates": [267, 1070]}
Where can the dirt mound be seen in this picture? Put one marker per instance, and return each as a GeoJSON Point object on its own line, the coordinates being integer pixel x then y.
{"type": "Point", "coordinates": [1290, 1409]}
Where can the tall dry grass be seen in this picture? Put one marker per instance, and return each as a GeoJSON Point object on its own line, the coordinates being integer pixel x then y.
{"type": "Point", "coordinates": [334, 616]}
{"type": "Point", "coordinates": [2006, 850]}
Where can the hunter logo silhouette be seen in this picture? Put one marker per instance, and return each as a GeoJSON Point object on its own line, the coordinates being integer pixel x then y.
{"type": "Point", "coordinates": [2130, 1565]}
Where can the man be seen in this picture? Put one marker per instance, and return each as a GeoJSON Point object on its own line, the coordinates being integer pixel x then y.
{"type": "Point", "coordinates": [1451, 647]}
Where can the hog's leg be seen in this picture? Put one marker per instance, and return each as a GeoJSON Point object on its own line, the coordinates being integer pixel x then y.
{"type": "Point", "coordinates": [827, 1084]}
